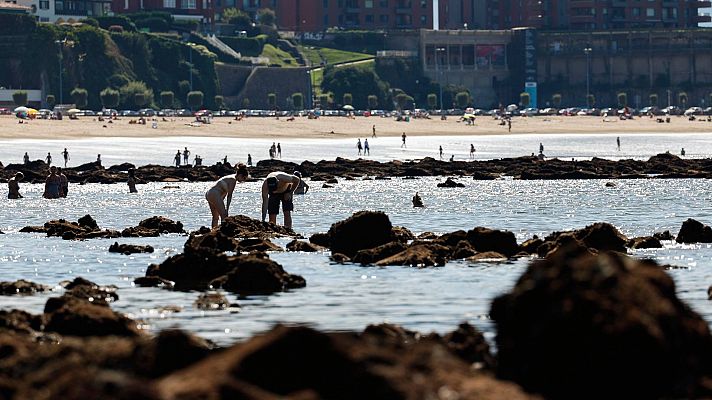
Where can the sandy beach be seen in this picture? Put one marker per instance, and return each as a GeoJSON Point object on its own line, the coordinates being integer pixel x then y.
{"type": "Point", "coordinates": [303, 128]}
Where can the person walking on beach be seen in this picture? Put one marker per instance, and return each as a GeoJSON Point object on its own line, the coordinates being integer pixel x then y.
{"type": "Point", "coordinates": [366, 148]}
{"type": "Point", "coordinates": [223, 188]}
{"type": "Point", "coordinates": [359, 147]}
{"type": "Point", "coordinates": [177, 159]}
{"type": "Point", "coordinates": [403, 137]}
{"type": "Point", "coordinates": [472, 150]}
{"type": "Point", "coordinates": [52, 185]}
{"type": "Point", "coordinates": [441, 152]}
{"type": "Point", "coordinates": [48, 159]}
{"type": "Point", "coordinates": [279, 188]}
{"type": "Point", "coordinates": [373, 128]}
{"type": "Point", "coordinates": [541, 148]}
{"type": "Point", "coordinates": [618, 142]}
{"type": "Point", "coordinates": [509, 124]}
{"type": "Point", "coordinates": [302, 188]}
{"type": "Point", "coordinates": [63, 183]}
{"type": "Point", "coordinates": [13, 186]}
{"type": "Point", "coordinates": [186, 154]}
{"type": "Point", "coordinates": [249, 160]}
{"type": "Point", "coordinates": [26, 158]}
{"type": "Point", "coordinates": [279, 150]}
{"type": "Point", "coordinates": [131, 181]}
{"type": "Point", "coordinates": [65, 153]}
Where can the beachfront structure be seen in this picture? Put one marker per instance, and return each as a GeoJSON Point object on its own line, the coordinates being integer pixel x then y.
{"type": "Point", "coordinates": [57, 11]}
{"type": "Point", "coordinates": [201, 11]}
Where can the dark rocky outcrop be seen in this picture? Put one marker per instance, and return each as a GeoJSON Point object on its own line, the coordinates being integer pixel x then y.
{"type": "Point", "coordinates": [73, 316]}
{"type": "Point", "coordinates": [299, 245]}
{"type": "Point", "coordinates": [81, 288]}
{"type": "Point", "coordinates": [693, 231]}
{"type": "Point", "coordinates": [245, 227]}
{"type": "Point", "coordinates": [645, 242]}
{"type": "Point", "coordinates": [487, 256]}
{"type": "Point", "coordinates": [450, 183]}
{"type": "Point", "coordinates": [153, 281]}
{"type": "Point", "coordinates": [129, 248]}
{"type": "Point", "coordinates": [485, 239]}
{"type": "Point", "coordinates": [257, 276]}
{"type": "Point", "coordinates": [371, 256]}
{"type": "Point", "coordinates": [211, 302]}
{"type": "Point", "coordinates": [578, 325]}
{"type": "Point", "coordinates": [22, 287]}
{"type": "Point", "coordinates": [320, 239]}
{"type": "Point", "coordinates": [363, 230]}
{"type": "Point", "coordinates": [85, 228]}
{"type": "Point", "coordinates": [154, 226]}
{"type": "Point", "coordinates": [419, 255]}
{"type": "Point", "coordinates": [666, 235]}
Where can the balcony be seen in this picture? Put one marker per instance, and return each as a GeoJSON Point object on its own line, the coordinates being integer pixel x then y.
{"type": "Point", "coordinates": [71, 12]}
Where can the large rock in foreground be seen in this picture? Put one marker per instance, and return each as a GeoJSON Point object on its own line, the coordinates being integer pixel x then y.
{"type": "Point", "coordinates": [363, 230]}
{"type": "Point", "coordinates": [693, 231]}
{"type": "Point", "coordinates": [579, 325]}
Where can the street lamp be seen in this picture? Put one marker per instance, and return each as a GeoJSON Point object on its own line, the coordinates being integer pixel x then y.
{"type": "Point", "coordinates": [437, 73]}
{"type": "Point", "coordinates": [588, 50]}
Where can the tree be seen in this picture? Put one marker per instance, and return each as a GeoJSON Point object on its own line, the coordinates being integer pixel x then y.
{"type": "Point", "coordinates": [653, 99]}
{"type": "Point", "coordinates": [80, 97]}
{"type": "Point", "coordinates": [462, 99]}
{"type": "Point", "coordinates": [219, 102]}
{"type": "Point", "coordinates": [622, 99]}
{"type": "Point", "coordinates": [359, 81]}
{"type": "Point", "coordinates": [432, 101]}
{"type": "Point", "coordinates": [590, 100]}
{"type": "Point", "coordinates": [272, 101]}
{"type": "Point", "coordinates": [682, 99]}
{"type": "Point", "coordinates": [20, 98]}
{"type": "Point", "coordinates": [298, 101]}
{"type": "Point", "coordinates": [372, 101]}
{"type": "Point", "coordinates": [266, 16]}
{"type": "Point", "coordinates": [236, 17]}
{"type": "Point", "coordinates": [324, 101]}
{"type": "Point", "coordinates": [51, 101]}
{"type": "Point", "coordinates": [183, 89]}
{"type": "Point", "coordinates": [167, 99]}
{"type": "Point", "coordinates": [139, 100]}
{"type": "Point", "coordinates": [348, 99]}
{"type": "Point", "coordinates": [524, 99]}
{"type": "Point", "coordinates": [245, 103]}
{"type": "Point", "coordinates": [195, 99]}
{"type": "Point", "coordinates": [109, 98]}
{"type": "Point", "coordinates": [556, 100]}
{"type": "Point", "coordinates": [401, 100]}
{"type": "Point", "coordinates": [127, 94]}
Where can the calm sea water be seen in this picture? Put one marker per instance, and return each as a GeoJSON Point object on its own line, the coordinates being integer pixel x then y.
{"type": "Point", "coordinates": [340, 297]}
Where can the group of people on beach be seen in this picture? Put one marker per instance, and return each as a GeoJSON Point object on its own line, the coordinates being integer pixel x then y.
{"type": "Point", "coordinates": [275, 151]}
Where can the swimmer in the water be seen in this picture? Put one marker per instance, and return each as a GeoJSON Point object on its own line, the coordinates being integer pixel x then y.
{"type": "Point", "coordinates": [224, 188]}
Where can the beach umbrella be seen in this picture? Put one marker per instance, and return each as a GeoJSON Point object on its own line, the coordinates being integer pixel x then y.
{"type": "Point", "coordinates": [21, 110]}
{"type": "Point", "coordinates": [348, 107]}
{"type": "Point", "coordinates": [32, 111]}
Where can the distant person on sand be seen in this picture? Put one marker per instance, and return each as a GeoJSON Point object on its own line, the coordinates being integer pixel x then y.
{"type": "Point", "coordinates": [509, 124]}
{"type": "Point", "coordinates": [65, 153]}
{"type": "Point", "coordinates": [131, 181]}
{"type": "Point", "coordinates": [98, 159]}
{"type": "Point", "coordinates": [366, 148]}
{"type": "Point", "coordinates": [279, 188]}
{"type": "Point", "coordinates": [618, 142]}
{"type": "Point", "coordinates": [682, 152]}
{"type": "Point", "coordinates": [63, 183]}
{"type": "Point", "coordinates": [13, 186]}
{"type": "Point", "coordinates": [403, 137]}
{"type": "Point", "coordinates": [224, 188]}
{"type": "Point", "coordinates": [441, 152]}
{"type": "Point", "coordinates": [48, 159]}
{"type": "Point", "coordinates": [373, 128]}
{"type": "Point", "coordinates": [177, 159]}
{"type": "Point", "coordinates": [279, 150]}
{"type": "Point", "coordinates": [186, 154]}
{"type": "Point", "coordinates": [302, 188]}
{"type": "Point", "coordinates": [472, 150]}
{"type": "Point", "coordinates": [249, 160]}
{"type": "Point", "coordinates": [26, 158]}
{"type": "Point", "coordinates": [52, 185]}
{"type": "Point", "coordinates": [359, 147]}
{"type": "Point", "coordinates": [541, 148]}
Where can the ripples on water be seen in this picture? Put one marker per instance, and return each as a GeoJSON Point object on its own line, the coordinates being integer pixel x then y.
{"type": "Point", "coordinates": [348, 297]}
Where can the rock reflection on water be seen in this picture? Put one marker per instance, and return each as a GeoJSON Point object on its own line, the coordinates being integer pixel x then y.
{"type": "Point", "coordinates": [348, 297]}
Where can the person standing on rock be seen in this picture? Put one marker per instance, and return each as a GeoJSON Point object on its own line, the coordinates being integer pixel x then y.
{"type": "Point", "coordinates": [249, 160]}
{"type": "Point", "coordinates": [186, 154]}
{"type": "Point", "coordinates": [63, 183]}
{"type": "Point", "coordinates": [131, 181]}
{"type": "Point", "coordinates": [441, 152]}
{"type": "Point", "coordinates": [472, 150]}
{"type": "Point", "coordinates": [223, 188]}
{"type": "Point", "coordinates": [26, 158]}
{"type": "Point", "coordinates": [65, 153]}
{"type": "Point", "coordinates": [541, 148]}
{"type": "Point", "coordinates": [98, 159]}
{"type": "Point", "coordinates": [403, 138]}
{"type": "Point", "coordinates": [177, 159]}
{"type": "Point", "coordinates": [279, 188]}
{"type": "Point", "coordinates": [52, 185]}
{"type": "Point", "coordinates": [13, 186]}
{"type": "Point", "coordinates": [618, 142]}
{"type": "Point", "coordinates": [279, 150]}
{"type": "Point", "coordinates": [48, 159]}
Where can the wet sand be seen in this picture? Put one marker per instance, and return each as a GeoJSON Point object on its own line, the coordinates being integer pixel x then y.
{"type": "Point", "coordinates": [303, 128]}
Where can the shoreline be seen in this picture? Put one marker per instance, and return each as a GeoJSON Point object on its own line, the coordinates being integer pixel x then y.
{"type": "Point", "coordinates": [343, 128]}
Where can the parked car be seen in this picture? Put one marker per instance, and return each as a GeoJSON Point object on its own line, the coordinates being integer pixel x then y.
{"type": "Point", "coordinates": [147, 112]}
{"type": "Point", "coordinates": [184, 112]}
{"type": "Point", "coordinates": [549, 111]}
{"type": "Point", "coordinates": [88, 113]}
{"type": "Point", "coordinates": [650, 110]}
{"type": "Point", "coordinates": [108, 112]}
{"type": "Point", "coordinates": [694, 111]}
{"type": "Point", "coordinates": [129, 113]}
{"type": "Point", "coordinates": [5, 111]}
{"type": "Point", "coordinates": [530, 111]}
{"type": "Point", "coordinates": [608, 111]}
{"type": "Point", "coordinates": [672, 110]}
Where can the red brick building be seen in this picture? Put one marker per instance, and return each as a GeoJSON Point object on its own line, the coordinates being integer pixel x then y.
{"type": "Point", "coordinates": [198, 10]}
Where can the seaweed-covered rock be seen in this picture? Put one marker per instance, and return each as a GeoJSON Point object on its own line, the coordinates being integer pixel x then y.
{"type": "Point", "coordinates": [255, 276]}
{"type": "Point", "coordinates": [370, 256]}
{"type": "Point", "coordinates": [86, 290]}
{"type": "Point", "coordinates": [419, 255]}
{"type": "Point", "coordinates": [693, 231]}
{"type": "Point", "coordinates": [402, 234]}
{"type": "Point", "coordinates": [485, 239]}
{"type": "Point", "coordinates": [154, 226]}
{"type": "Point", "coordinates": [241, 226]}
{"type": "Point", "coordinates": [153, 281]}
{"type": "Point", "coordinates": [363, 230]}
{"type": "Point", "coordinates": [299, 245]}
{"type": "Point", "coordinates": [22, 287]}
{"type": "Point", "coordinates": [129, 248]}
{"type": "Point", "coordinates": [666, 235]}
{"type": "Point", "coordinates": [69, 315]}
{"type": "Point", "coordinates": [645, 242]}
{"type": "Point", "coordinates": [255, 244]}
{"type": "Point", "coordinates": [487, 256]}
{"type": "Point", "coordinates": [578, 325]}
{"type": "Point", "coordinates": [532, 245]}
{"type": "Point", "coordinates": [450, 183]}
{"type": "Point", "coordinates": [211, 302]}
{"type": "Point", "coordinates": [320, 239]}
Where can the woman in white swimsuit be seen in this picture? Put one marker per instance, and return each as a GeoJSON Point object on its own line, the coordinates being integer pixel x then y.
{"type": "Point", "coordinates": [224, 188]}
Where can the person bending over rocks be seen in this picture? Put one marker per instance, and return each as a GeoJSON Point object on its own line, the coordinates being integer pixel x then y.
{"type": "Point", "coordinates": [224, 188]}
{"type": "Point", "coordinates": [278, 188]}
{"type": "Point", "coordinates": [13, 186]}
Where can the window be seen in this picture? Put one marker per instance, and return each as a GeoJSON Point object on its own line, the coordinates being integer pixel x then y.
{"type": "Point", "coordinates": [188, 4]}
{"type": "Point", "coordinates": [369, 19]}
{"type": "Point", "coordinates": [368, 4]}
{"type": "Point", "coordinates": [326, 4]}
{"type": "Point", "coordinates": [383, 19]}
{"type": "Point", "coordinates": [423, 4]}
{"type": "Point", "coordinates": [384, 3]}
{"type": "Point", "coordinates": [650, 12]}
{"type": "Point", "coordinates": [44, 4]}
{"type": "Point", "coordinates": [169, 3]}
{"type": "Point", "coordinates": [636, 12]}
{"type": "Point", "coordinates": [326, 20]}
{"type": "Point", "coordinates": [423, 19]}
